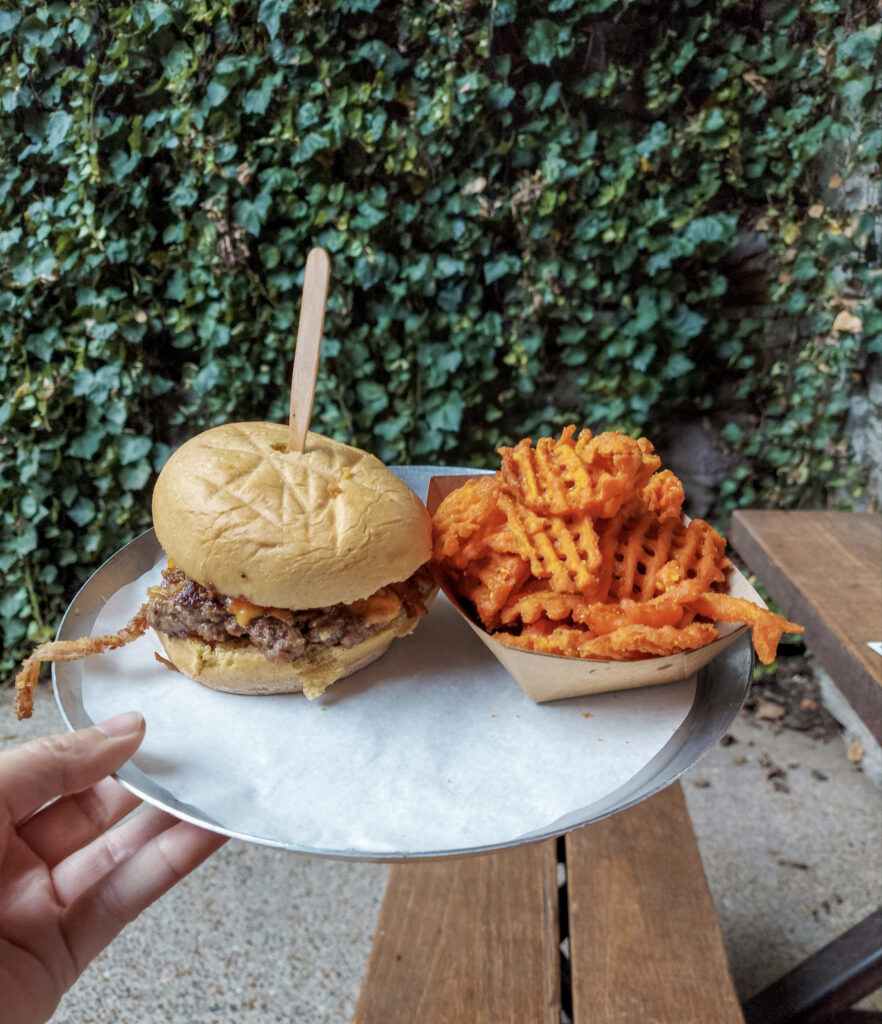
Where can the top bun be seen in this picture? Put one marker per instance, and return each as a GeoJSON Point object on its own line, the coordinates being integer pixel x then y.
{"type": "Point", "coordinates": [234, 508]}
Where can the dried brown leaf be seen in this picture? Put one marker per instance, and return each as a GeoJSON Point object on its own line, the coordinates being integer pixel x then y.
{"type": "Point", "coordinates": [769, 710]}
{"type": "Point", "coordinates": [855, 752]}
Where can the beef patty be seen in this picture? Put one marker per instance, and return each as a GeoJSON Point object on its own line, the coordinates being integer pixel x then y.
{"type": "Point", "coordinates": [181, 607]}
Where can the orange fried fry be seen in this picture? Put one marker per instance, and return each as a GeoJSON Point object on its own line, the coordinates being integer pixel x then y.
{"type": "Point", "coordinates": [589, 476]}
{"type": "Point", "coordinates": [664, 494]}
{"type": "Point", "coordinates": [766, 626]}
{"type": "Point", "coordinates": [535, 601]}
{"type": "Point", "coordinates": [648, 640]}
{"type": "Point", "coordinates": [540, 628]}
{"type": "Point", "coordinates": [628, 643]}
{"type": "Point", "coordinates": [664, 610]}
{"type": "Point", "coordinates": [650, 556]}
{"type": "Point", "coordinates": [488, 584]}
{"type": "Point", "coordinates": [464, 519]}
{"type": "Point", "coordinates": [564, 552]}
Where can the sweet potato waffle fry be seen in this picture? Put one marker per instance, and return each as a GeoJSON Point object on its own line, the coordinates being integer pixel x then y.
{"type": "Point", "coordinates": [489, 583]}
{"type": "Point", "coordinates": [472, 514]}
{"type": "Point", "coordinates": [578, 547]}
{"type": "Point", "coordinates": [628, 643]}
{"type": "Point", "coordinates": [563, 550]}
{"type": "Point", "coordinates": [588, 475]}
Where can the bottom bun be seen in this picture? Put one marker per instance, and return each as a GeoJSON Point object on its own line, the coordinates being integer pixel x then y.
{"type": "Point", "coordinates": [239, 668]}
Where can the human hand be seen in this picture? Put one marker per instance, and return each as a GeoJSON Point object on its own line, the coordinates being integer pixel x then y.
{"type": "Point", "coordinates": [68, 886]}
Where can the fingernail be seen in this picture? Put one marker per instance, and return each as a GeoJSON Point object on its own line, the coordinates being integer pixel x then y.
{"type": "Point", "coordinates": [122, 725]}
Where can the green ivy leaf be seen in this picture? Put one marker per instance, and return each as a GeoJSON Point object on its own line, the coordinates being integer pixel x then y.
{"type": "Point", "coordinates": [256, 101]}
{"type": "Point", "coordinates": [446, 266]}
{"type": "Point", "coordinates": [861, 45]}
{"type": "Point", "coordinates": [687, 323]}
{"type": "Point", "coordinates": [373, 397]}
{"type": "Point", "coordinates": [856, 89]}
{"type": "Point", "coordinates": [82, 512]}
{"type": "Point", "coordinates": [447, 416]}
{"type": "Point", "coordinates": [133, 448]}
{"type": "Point", "coordinates": [8, 21]}
{"type": "Point", "coordinates": [57, 127]}
{"type": "Point", "coordinates": [546, 40]}
{"type": "Point", "coordinates": [136, 476]}
{"type": "Point", "coordinates": [251, 213]}
{"type": "Point", "coordinates": [505, 263]}
{"type": "Point", "coordinates": [677, 365]}
{"type": "Point", "coordinates": [96, 385]}
{"type": "Point", "coordinates": [216, 92]}
{"type": "Point", "coordinates": [270, 13]}
{"type": "Point", "coordinates": [87, 444]}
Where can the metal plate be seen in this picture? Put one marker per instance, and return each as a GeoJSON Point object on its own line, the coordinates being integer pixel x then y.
{"type": "Point", "coordinates": [721, 689]}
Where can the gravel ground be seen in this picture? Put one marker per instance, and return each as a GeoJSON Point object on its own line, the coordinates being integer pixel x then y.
{"type": "Point", "coordinates": [788, 822]}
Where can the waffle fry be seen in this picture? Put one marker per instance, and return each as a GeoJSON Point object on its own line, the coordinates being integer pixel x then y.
{"type": "Point", "coordinates": [471, 515]}
{"type": "Point", "coordinates": [627, 643]}
{"type": "Point", "coordinates": [564, 551]}
{"type": "Point", "coordinates": [664, 494]}
{"type": "Point", "coordinates": [767, 626]}
{"type": "Point", "coordinates": [489, 583]}
{"type": "Point", "coordinates": [651, 555]}
{"type": "Point", "coordinates": [577, 546]}
{"type": "Point", "coordinates": [591, 476]}
{"type": "Point", "coordinates": [536, 601]}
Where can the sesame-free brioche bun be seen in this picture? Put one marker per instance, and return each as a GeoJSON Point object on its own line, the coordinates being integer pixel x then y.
{"type": "Point", "coordinates": [234, 508]}
{"type": "Point", "coordinates": [243, 669]}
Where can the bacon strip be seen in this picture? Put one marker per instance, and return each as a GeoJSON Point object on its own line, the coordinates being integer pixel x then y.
{"type": "Point", "coordinates": [70, 650]}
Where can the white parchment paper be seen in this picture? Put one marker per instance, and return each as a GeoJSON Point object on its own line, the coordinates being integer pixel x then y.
{"type": "Point", "coordinates": [432, 748]}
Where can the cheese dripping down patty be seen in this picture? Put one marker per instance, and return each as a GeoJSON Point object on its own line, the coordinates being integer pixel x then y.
{"type": "Point", "coordinates": [383, 606]}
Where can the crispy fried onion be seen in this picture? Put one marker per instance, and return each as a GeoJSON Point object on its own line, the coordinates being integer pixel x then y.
{"type": "Point", "coordinates": [70, 650]}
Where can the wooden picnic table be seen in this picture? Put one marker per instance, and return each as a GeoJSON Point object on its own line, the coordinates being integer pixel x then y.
{"type": "Point", "coordinates": [478, 940]}
{"type": "Point", "coordinates": [824, 570]}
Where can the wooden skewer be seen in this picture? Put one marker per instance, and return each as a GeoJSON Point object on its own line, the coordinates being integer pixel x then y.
{"type": "Point", "coordinates": [309, 343]}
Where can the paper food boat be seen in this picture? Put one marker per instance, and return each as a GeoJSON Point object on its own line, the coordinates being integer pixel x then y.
{"type": "Point", "coordinates": [545, 677]}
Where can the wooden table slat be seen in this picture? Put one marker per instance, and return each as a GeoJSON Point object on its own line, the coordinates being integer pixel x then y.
{"type": "Point", "coordinates": [645, 944]}
{"type": "Point", "coordinates": [467, 941]}
{"type": "Point", "coordinates": [824, 570]}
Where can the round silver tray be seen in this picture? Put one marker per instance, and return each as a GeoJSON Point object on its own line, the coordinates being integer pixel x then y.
{"type": "Point", "coordinates": [721, 689]}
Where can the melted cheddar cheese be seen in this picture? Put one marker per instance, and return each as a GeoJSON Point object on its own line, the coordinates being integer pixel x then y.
{"type": "Point", "coordinates": [244, 611]}
{"type": "Point", "coordinates": [380, 607]}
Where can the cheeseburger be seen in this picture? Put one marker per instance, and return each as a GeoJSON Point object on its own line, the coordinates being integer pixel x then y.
{"type": "Point", "coordinates": [286, 570]}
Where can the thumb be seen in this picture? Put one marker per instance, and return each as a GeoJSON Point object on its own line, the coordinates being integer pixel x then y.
{"type": "Point", "coordinates": [51, 766]}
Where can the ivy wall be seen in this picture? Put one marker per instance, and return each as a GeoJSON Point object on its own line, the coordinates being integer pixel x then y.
{"type": "Point", "coordinates": [619, 214]}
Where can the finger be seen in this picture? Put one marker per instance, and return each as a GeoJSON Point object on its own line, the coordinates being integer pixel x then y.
{"type": "Point", "coordinates": [74, 821]}
{"type": "Point", "coordinates": [87, 866]}
{"type": "Point", "coordinates": [100, 914]}
{"type": "Point", "coordinates": [38, 771]}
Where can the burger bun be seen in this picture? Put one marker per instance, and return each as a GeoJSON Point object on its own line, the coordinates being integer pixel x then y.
{"type": "Point", "coordinates": [234, 508]}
